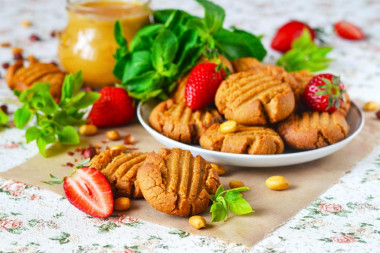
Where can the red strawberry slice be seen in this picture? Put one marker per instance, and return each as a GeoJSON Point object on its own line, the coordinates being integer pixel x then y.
{"type": "Point", "coordinates": [202, 85]}
{"type": "Point", "coordinates": [113, 108]}
{"type": "Point", "coordinates": [324, 93]}
{"type": "Point", "coordinates": [285, 36]}
{"type": "Point", "coordinates": [348, 31]}
{"type": "Point", "coordinates": [89, 191]}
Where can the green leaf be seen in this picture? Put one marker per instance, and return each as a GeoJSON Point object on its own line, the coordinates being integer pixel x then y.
{"type": "Point", "coordinates": [86, 100]}
{"type": "Point", "coordinates": [43, 141]}
{"type": "Point", "coordinates": [68, 135]}
{"type": "Point", "coordinates": [3, 117]}
{"type": "Point", "coordinates": [43, 101]}
{"type": "Point", "coordinates": [237, 204]}
{"type": "Point", "coordinates": [22, 116]}
{"type": "Point", "coordinates": [305, 54]}
{"type": "Point", "coordinates": [143, 40]}
{"type": "Point", "coordinates": [219, 191]}
{"type": "Point", "coordinates": [214, 16]}
{"type": "Point", "coordinates": [136, 64]}
{"type": "Point", "coordinates": [118, 33]}
{"type": "Point", "coordinates": [145, 86]}
{"type": "Point", "coordinates": [238, 44]}
{"type": "Point", "coordinates": [164, 49]}
{"type": "Point", "coordinates": [219, 212]}
{"type": "Point", "coordinates": [71, 85]}
{"type": "Point", "coordinates": [32, 133]}
{"type": "Point", "coordinates": [54, 181]}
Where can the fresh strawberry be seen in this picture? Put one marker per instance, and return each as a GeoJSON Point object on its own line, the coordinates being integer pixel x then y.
{"type": "Point", "coordinates": [113, 108]}
{"type": "Point", "coordinates": [89, 191]}
{"type": "Point", "coordinates": [284, 37]}
{"type": "Point", "coordinates": [348, 31]}
{"type": "Point", "coordinates": [324, 93]}
{"type": "Point", "coordinates": [202, 84]}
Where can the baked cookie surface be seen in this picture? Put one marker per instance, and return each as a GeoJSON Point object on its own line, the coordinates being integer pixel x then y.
{"type": "Point", "coordinates": [120, 171]}
{"type": "Point", "coordinates": [246, 140]}
{"type": "Point", "coordinates": [312, 130]}
{"type": "Point", "coordinates": [180, 123]}
{"type": "Point", "coordinates": [177, 183]}
{"type": "Point", "coordinates": [252, 98]}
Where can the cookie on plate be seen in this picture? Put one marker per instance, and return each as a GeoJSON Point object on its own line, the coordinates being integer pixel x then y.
{"type": "Point", "coordinates": [179, 122]}
{"type": "Point", "coordinates": [246, 140]}
{"type": "Point", "coordinates": [252, 98]}
{"type": "Point", "coordinates": [312, 130]}
{"type": "Point", "coordinates": [177, 183]}
{"type": "Point", "coordinates": [120, 171]}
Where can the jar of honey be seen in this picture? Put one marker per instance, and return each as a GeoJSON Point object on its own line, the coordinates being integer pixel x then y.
{"type": "Point", "coordinates": [88, 43]}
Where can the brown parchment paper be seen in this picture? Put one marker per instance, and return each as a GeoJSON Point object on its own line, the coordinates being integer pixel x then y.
{"type": "Point", "coordinates": [272, 208]}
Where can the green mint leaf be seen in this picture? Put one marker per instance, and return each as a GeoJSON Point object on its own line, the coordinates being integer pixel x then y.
{"type": "Point", "coordinates": [71, 85]}
{"type": "Point", "coordinates": [237, 204]}
{"type": "Point", "coordinates": [17, 93]}
{"type": "Point", "coordinates": [239, 189]}
{"type": "Point", "coordinates": [22, 116]}
{"type": "Point", "coordinates": [164, 49]}
{"type": "Point", "coordinates": [214, 15]}
{"type": "Point", "coordinates": [54, 181]}
{"type": "Point", "coordinates": [118, 33]}
{"type": "Point", "coordinates": [32, 133]}
{"type": "Point", "coordinates": [86, 100]}
{"type": "Point", "coordinates": [305, 54]}
{"type": "Point", "coordinates": [136, 63]}
{"type": "Point", "coordinates": [237, 44]}
{"type": "Point", "coordinates": [219, 191]}
{"type": "Point", "coordinates": [3, 118]}
{"type": "Point", "coordinates": [218, 211]}
{"type": "Point", "coordinates": [43, 101]}
{"type": "Point", "coordinates": [43, 141]}
{"type": "Point", "coordinates": [143, 39]}
{"type": "Point", "coordinates": [68, 135]}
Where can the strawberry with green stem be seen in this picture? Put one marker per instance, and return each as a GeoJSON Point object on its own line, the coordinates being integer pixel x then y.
{"type": "Point", "coordinates": [88, 190]}
{"type": "Point", "coordinates": [324, 93]}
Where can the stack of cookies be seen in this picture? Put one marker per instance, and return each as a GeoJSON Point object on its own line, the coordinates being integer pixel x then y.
{"type": "Point", "coordinates": [265, 102]}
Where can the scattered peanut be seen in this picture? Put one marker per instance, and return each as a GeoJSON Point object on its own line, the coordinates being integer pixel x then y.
{"type": "Point", "coordinates": [17, 50]}
{"type": "Point", "coordinates": [26, 23]}
{"type": "Point", "coordinates": [236, 184]}
{"type": "Point", "coordinates": [88, 130]}
{"type": "Point", "coordinates": [230, 126]}
{"type": "Point", "coordinates": [129, 139]}
{"type": "Point", "coordinates": [5, 44]}
{"type": "Point", "coordinates": [122, 204]}
{"type": "Point", "coordinates": [113, 135]}
{"type": "Point", "coordinates": [371, 106]}
{"type": "Point", "coordinates": [119, 147]}
{"type": "Point", "coordinates": [277, 183]}
{"type": "Point", "coordinates": [220, 170]}
{"type": "Point", "coordinates": [197, 222]}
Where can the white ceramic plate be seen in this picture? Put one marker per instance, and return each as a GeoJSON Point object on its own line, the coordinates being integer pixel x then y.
{"type": "Point", "coordinates": [355, 119]}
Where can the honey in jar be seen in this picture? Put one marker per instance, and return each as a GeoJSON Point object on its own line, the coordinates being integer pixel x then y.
{"type": "Point", "coordinates": [88, 43]}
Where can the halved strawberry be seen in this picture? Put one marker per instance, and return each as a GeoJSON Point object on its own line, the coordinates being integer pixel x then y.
{"type": "Point", "coordinates": [89, 191]}
{"type": "Point", "coordinates": [348, 31]}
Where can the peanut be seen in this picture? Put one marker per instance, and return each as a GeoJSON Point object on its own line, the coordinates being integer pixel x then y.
{"type": "Point", "coordinates": [88, 130]}
{"type": "Point", "coordinates": [236, 184]}
{"type": "Point", "coordinates": [119, 147]}
{"type": "Point", "coordinates": [197, 222]}
{"type": "Point", "coordinates": [113, 135]}
{"type": "Point", "coordinates": [220, 170]}
{"type": "Point", "coordinates": [5, 44]}
{"type": "Point", "coordinates": [26, 23]}
{"type": "Point", "coordinates": [277, 183]}
{"type": "Point", "coordinates": [371, 106]}
{"type": "Point", "coordinates": [122, 204]}
{"type": "Point", "coordinates": [17, 50]}
{"type": "Point", "coordinates": [230, 126]}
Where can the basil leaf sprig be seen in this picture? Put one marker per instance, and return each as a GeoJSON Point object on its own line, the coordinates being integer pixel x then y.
{"type": "Point", "coordinates": [54, 121]}
{"type": "Point", "coordinates": [3, 118]}
{"type": "Point", "coordinates": [305, 54]}
{"type": "Point", "coordinates": [232, 200]}
{"type": "Point", "coordinates": [161, 53]}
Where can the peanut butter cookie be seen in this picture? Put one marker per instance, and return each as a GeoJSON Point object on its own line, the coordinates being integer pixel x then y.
{"type": "Point", "coordinates": [245, 140]}
{"type": "Point", "coordinates": [120, 171]}
{"type": "Point", "coordinates": [312, 130]}
{"type": "Point", "coordinates": [180, 123]}
{"type": "Point", "coordinates": [177, 183]}
{"type": "Point", "coordinates": [252, 98]}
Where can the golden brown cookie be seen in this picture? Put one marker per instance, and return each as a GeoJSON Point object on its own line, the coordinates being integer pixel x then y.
{"type": "Point", "coordinates": [21, 78]}
{"type": "Point", "coordinates": [345, 106]}
{"type": "Point", "coordinates": [246, 140]}
{"type": "Point", "coordinates": [177, 183]}
{"type": "Point", "coordinates": [313, 129]}
{"type": "Point", "coordinates": [180, 123]}
{"type": "Point", "coordinates": [252, 98]}
{"type": "Point", "coordinates": [120, 171]}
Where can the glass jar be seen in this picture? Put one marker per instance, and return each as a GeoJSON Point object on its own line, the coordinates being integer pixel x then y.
{"type": "Point", "coordinates": [88, 43]}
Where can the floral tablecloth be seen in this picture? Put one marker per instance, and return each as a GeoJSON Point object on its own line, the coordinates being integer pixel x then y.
{"type": "Point", "coordinates": [346, 218]}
